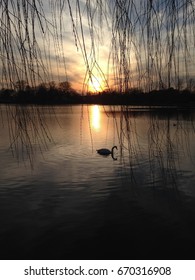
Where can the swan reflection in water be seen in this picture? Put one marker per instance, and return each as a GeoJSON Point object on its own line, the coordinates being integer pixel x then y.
{"type": "Point", "coordinates": [106, 152]}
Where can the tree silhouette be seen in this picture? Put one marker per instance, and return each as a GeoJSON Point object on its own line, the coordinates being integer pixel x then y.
{"type": "Point", "coordinates": [21, 85]}
{"type": "Point", "coordinates": [65, 86]}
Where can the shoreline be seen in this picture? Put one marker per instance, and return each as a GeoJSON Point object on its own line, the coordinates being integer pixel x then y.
{"type": "Point", "coordinates": [161, 99]}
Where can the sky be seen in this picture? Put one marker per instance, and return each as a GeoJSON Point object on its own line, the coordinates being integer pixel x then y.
{"type": "Point", "coordinates": [79, 55]}
{"type": "Point", "coordinates": [97, 44]}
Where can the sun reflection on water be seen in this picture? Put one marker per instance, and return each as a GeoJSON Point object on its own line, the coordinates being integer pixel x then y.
{"type": "Point", "coordinates": [95, 117]}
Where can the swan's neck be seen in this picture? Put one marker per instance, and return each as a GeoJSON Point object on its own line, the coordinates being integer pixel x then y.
{"type": "Point", "coordinates": [113, 149]}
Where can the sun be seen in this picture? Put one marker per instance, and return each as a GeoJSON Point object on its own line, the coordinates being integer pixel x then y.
{"type": "Point", "coordinates": [96, 84]}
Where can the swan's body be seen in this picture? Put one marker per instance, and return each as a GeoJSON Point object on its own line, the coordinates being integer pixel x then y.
{"type": "Point", "coordinates": [106, 152]}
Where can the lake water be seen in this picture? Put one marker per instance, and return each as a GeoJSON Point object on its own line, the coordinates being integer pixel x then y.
{"type": "Point", "coordinates": [59, 199]}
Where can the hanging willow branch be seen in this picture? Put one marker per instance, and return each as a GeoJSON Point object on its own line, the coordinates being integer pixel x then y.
{"type": "Point", "coordinates": [152, 42]}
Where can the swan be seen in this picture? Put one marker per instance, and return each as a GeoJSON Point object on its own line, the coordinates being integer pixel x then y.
{"type": "Point", "coordinates": [106, 152]}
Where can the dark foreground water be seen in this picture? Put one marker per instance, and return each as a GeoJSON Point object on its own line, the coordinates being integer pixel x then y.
{"type": "Point", "coordinates": [59, 199]}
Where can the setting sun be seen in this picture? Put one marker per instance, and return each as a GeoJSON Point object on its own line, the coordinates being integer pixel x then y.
{"type": "Point", "coordinates": [96, 84]}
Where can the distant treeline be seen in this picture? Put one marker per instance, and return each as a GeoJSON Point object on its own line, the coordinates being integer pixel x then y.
{"type": "Point", "coordinates": [63, 93]}
{"type": "Point", "coordinates": [44, 93]}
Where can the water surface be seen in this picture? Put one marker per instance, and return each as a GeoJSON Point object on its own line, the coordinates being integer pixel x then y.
{"type": "Point", "coordinates": [59, 199]}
